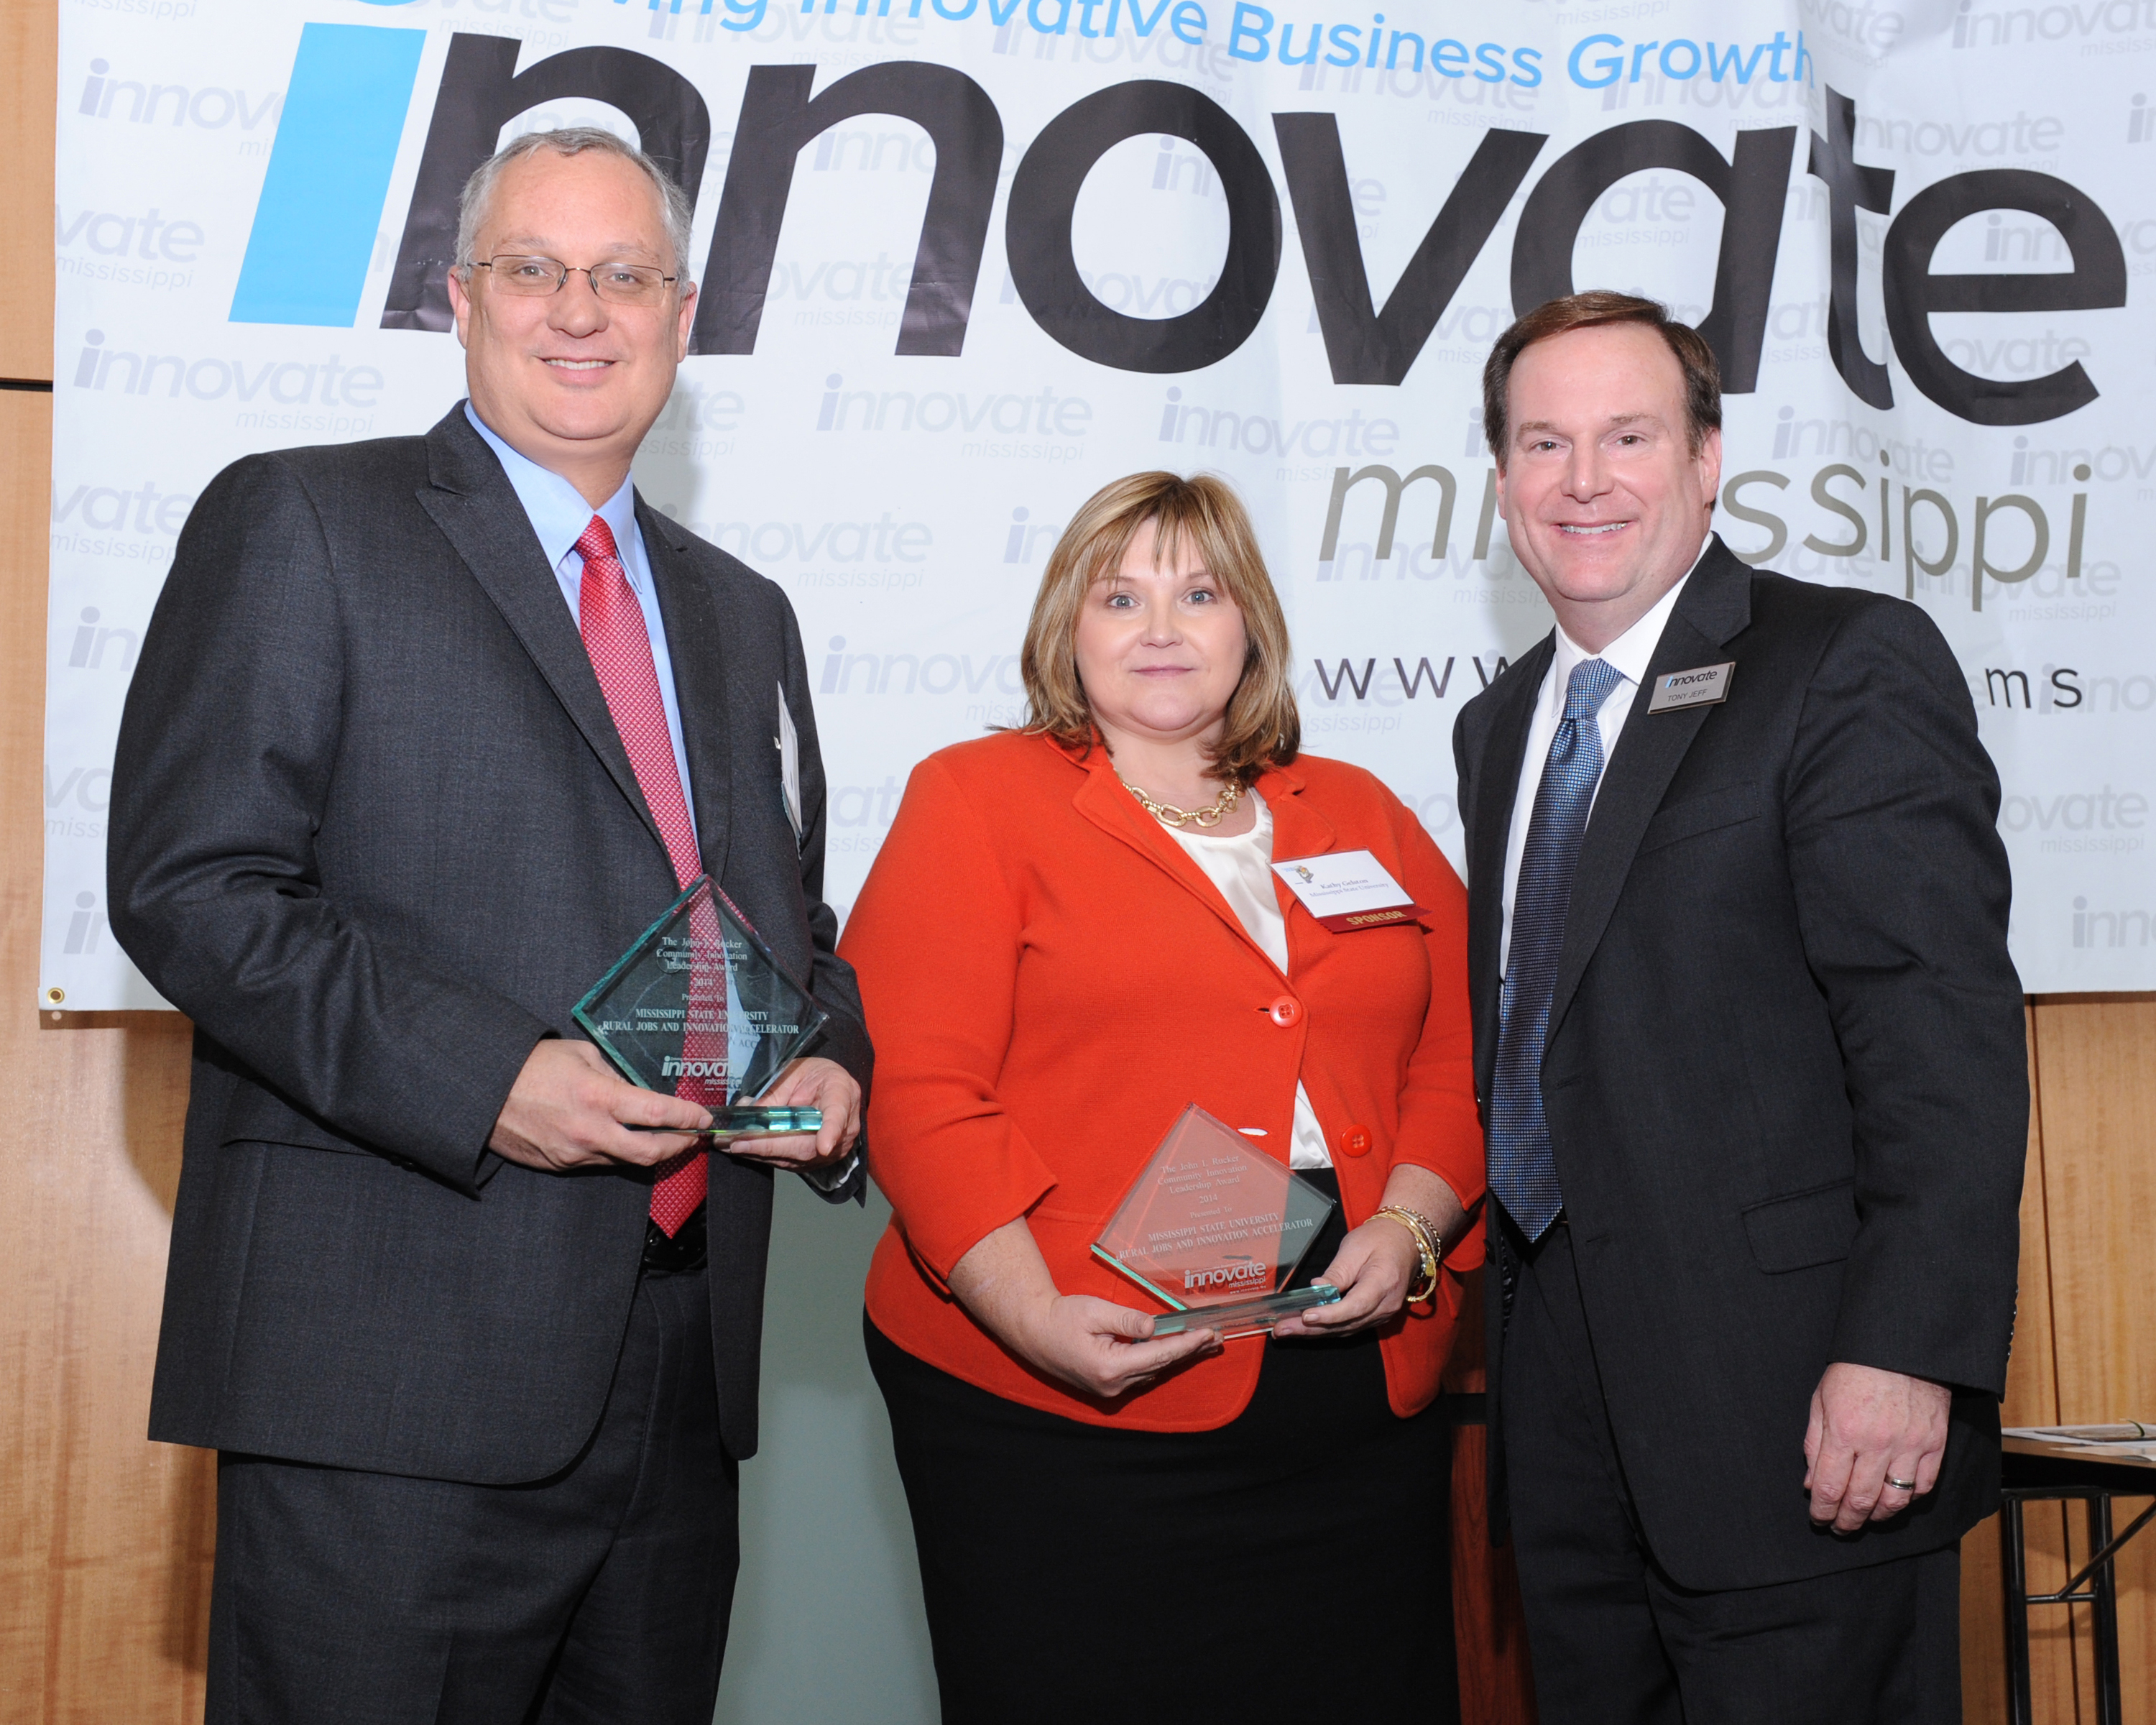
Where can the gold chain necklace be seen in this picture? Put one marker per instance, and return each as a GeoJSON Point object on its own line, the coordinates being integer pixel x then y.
{"type": "Point", "coordinates": [1223, 806]}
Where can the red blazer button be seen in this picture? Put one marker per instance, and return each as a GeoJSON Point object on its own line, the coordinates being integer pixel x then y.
{"type": "Point", "coordinates": [1355, 1141]}
{"type": "Point", "coordinates": [1286, 1010]}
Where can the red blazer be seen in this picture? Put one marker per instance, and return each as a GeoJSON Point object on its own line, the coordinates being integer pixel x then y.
{"type": "Point", "coordinates": [1050, 981]}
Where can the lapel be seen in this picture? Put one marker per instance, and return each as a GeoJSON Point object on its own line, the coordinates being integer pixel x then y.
{"type": "Point", "coordinates": [1297, 831]}
{"type": "Point", "coordinates": [471, 501]}
{"type": "Point", "coordinates": [1715, 606]}
{"type": "Point", "coordinates": [1496, 786]}
{"type": "Point", "coordinates": [693, 642]}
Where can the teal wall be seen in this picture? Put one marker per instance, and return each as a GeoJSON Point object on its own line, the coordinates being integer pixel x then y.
{"type": "Point", "coordinates": [827, 1624]}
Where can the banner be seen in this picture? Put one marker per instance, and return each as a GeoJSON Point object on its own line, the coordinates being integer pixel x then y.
{"type": "Point", "coordinates": [962, 261]}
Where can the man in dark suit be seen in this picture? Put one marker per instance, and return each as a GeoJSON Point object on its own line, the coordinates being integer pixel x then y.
{"type": "Point", "coordinates": [426, 732]}
{"type": "Point", "coordinates": [1749, 1048]}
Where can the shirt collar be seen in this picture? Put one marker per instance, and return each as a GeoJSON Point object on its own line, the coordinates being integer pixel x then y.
{"type": "Point", "coordinates": [555, 508]}
{"type": "Point", "coordinates": [1631, 652]}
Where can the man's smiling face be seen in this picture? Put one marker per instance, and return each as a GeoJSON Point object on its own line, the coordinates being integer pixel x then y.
{"type": "Point", "coordinates": [1605, 497]}
{"type": "Point", "coordinates": [570, 380]}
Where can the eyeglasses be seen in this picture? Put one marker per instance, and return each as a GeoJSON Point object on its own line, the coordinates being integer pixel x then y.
{"type": "Point", "coordinates": [618, 284]}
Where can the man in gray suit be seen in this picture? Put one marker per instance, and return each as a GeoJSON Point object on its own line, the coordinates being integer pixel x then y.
{"type": "Point", "coordinates": [426, 731]}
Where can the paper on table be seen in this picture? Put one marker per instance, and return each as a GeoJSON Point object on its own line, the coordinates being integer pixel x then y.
{"type": "Point", "coordinates": [2126, 1431]}
{"type": "Point", "coordinates": [2128, 1440]}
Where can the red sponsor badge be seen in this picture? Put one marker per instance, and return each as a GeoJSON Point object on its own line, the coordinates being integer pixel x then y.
{"type": "Point", "coordinates": [1348, 890]}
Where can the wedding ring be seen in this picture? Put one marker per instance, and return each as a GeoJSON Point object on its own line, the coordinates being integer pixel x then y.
{"type": "Point", "coordinates": [1901, 1485]}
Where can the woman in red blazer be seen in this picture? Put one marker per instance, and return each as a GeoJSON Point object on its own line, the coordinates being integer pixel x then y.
{"type": "Point", "coordinates": [1070, 935]}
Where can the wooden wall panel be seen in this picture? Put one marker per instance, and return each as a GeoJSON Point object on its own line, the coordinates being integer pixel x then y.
{"type": "Point", "coordinates": [30, 50]}
{"type": "Point", "coordinates": [2095, 1063]}
{"type": "Point", "coordinates": [104, 1572]}
{"type": "Point", "coordinates": [104, 1538]}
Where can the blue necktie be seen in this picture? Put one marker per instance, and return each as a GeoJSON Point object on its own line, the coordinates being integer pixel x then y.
{"type": "Point", "coordinates": [1523, 1170]}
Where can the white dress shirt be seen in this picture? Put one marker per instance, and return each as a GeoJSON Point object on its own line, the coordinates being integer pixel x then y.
{"type": "Point", "coordinates": [1629, 655]}
{"type": "Point", "coordinates": [1241, 867]}
{"type": "Point", "coordinates": [559, 515]}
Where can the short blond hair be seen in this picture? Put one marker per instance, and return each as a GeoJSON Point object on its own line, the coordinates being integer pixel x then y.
{"type": "Point", "coordinates": [1263, 728]}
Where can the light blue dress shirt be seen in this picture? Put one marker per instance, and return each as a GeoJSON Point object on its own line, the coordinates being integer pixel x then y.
{"type": "Point", "coordinates": [559, 515]}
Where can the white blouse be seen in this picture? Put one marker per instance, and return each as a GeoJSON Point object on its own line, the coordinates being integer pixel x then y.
{"type": "Point", "coordinates": [1241, 867]}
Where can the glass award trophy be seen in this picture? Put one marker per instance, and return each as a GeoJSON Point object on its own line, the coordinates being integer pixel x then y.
{"type": "Point", "coordinates": [698, 1007]}
{"type": "Point", "coordinates": [1215, 1228]}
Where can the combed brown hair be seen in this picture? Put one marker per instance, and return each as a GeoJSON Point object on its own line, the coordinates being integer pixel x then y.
{"type": "Point", "coordinates": [1263, 728]}
{"type": "Point", "coordinates": [1702, 375]}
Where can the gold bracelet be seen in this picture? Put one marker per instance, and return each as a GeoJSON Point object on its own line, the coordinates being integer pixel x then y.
{"type": "Point", "coordinates": [1435, 1236]}
{"type": "Point", "coordinates": [1428, 1257]}
{"type": "Point", "coordinates": [1427, 1266]}
{"type": "Point", "coordinates": [1431, 1231]}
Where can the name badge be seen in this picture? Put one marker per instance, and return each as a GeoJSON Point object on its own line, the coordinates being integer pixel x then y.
{"type": "Point", "coordinates": [1700, 687]}
{"type": "Point", "coordinates": [1348, 890]}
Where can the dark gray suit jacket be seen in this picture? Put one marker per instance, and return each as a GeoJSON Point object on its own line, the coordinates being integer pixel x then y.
{"type": "Point", "coordinates": [373, 829]}
{"type": "Point", "coordinates": [1785, 1076]}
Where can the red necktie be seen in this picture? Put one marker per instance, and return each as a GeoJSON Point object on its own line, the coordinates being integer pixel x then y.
{"type": "Point", "coordinates": [612, 623]}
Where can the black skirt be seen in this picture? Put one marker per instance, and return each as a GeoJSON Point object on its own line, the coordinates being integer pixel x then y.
{"type": "Point", "coordinates": [1290, 1566]}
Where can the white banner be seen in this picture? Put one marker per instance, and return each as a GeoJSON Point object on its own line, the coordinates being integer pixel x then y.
{"type": "Point", "coordinates": [964, 260]}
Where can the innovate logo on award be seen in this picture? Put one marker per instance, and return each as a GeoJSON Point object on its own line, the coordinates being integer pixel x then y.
{"type": "Point", "coordinates": [1215, 1229]}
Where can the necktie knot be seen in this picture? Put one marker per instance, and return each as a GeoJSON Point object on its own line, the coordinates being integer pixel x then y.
{"type": "Point", "coordinates": [1585, 690]}
{"type": "Point", "coordinates": [596, 541]}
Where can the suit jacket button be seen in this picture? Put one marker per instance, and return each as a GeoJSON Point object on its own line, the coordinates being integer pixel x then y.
{"type": "Point", "coordinates": [1355, 1141]}
{"type": "Point", "coordinates": [1286, 1010]}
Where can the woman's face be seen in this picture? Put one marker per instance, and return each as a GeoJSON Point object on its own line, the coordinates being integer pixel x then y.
{"type": "Point", "coordinates": [1160, 650]}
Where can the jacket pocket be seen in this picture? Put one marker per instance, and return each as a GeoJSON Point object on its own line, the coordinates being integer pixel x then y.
{"type": "Point", "coordinates": [1707, 813]}
{"type": "Point", "coordinates": [1803, 1229]}
{"type": "Point", "coordinates": [257, 1115]}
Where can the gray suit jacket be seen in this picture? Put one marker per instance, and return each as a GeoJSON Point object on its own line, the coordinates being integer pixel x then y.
{"type": "Point", "coordinates": [1786, 1078]}
{"type": "Point", "coordinates": [373, 829]}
